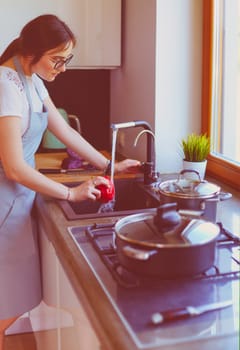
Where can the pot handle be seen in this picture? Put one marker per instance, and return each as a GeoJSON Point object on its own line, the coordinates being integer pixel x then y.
{"type": "Point", "coordinates": [222, 196]}
{"type": "Point", "coordinates": [191, 213]}
{"type": "Point", "coordinates": [138, 254]}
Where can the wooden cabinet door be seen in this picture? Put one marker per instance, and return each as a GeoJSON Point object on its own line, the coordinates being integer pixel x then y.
{"type": "Point", "coordinates": [74, 331]}
{"type": "Point", "coordinates": [82, 331]}
{"type": "Point", "coordinates": [96, 24]}
{"type": "Point", "coordinates": [49, 267]}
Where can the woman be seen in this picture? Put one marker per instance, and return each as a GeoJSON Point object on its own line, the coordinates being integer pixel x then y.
{"type": "Point", "coordinates": [43, 50]}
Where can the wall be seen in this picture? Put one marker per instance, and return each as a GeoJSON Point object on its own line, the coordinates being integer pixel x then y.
{"type": "Point", "coordinates": [132, 86]}
{"type": "Point", "coordinates": [85, 93]}
{"type": "Point", "coordinates": [178, 78]}
{"type": "Point", "coordinates": [160, 79]}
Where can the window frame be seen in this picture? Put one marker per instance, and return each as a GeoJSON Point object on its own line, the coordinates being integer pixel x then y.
{"type": "Point", "coordinates": [217, 167]}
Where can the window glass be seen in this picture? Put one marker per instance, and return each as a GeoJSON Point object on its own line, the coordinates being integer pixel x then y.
{"type": "Point", "coordinates": [225, 126]}
{"type": "Point", "coordinates": [221, 88]}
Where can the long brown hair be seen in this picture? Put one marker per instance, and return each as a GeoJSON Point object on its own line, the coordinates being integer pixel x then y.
{"type": "Point", "coordinates": [38, 36]}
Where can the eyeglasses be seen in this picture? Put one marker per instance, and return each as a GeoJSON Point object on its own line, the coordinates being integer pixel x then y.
{"type": "Point", "coordinates": [60, 63]}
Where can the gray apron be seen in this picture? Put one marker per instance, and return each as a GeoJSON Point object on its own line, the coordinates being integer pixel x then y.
{"type": "Point", "coordinates": [20, 280]}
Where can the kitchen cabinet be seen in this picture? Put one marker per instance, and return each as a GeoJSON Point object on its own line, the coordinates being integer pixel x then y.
{"type": "Point", "coordinates": [96, 24]}
{"type": "Point", "coordinates": [73, 329]}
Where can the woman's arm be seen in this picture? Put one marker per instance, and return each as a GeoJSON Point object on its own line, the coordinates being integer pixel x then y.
{"type": "Point", "coordinates": [16, 169]}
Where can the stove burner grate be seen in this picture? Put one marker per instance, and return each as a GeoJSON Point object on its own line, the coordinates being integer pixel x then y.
{"type": "Point", "coordinates": [101, 237]}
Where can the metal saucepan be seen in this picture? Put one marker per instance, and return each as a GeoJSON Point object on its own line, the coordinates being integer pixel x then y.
{"type": "Point", "coordinates": [193, 196]}
{"type": "Point", "coordinates": [161, 242]}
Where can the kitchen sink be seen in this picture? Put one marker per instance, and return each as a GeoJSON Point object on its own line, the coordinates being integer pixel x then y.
{"type": "Point", "coordinates": [131, 196]}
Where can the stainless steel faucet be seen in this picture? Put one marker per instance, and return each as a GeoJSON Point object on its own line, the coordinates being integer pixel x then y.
{"type": "Point", "coordinates": [149, 165]}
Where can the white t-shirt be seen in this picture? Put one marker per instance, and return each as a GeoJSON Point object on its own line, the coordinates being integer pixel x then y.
{"type": "Point", "coordinates": [13, 99]}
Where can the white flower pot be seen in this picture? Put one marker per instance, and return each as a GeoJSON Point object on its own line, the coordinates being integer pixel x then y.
{"type": "Point", "coordinates": [200, 167]}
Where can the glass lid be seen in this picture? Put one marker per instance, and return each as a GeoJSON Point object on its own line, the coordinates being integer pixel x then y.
{"type": "Point", "coordinates": [142, 229]}
{"type": "Point", "coordinates": [189, 188]}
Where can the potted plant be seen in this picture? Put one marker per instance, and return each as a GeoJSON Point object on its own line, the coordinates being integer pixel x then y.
{"type": "Point", "coordinates": [195, 149]}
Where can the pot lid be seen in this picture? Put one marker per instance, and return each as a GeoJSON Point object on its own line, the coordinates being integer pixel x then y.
{"type": "Point", "coordinates": [146, 229]}
{"type": "Point", "coordinates": [188, 188]}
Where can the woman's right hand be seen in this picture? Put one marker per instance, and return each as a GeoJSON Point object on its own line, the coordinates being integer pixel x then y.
{"type": "Point", "coordinates": [88, 190]}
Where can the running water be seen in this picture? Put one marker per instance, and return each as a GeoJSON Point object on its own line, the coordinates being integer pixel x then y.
{"type": "Point", "coordinates": [109, 206]}
{"type": "Point", "coordinates": [114, 143]}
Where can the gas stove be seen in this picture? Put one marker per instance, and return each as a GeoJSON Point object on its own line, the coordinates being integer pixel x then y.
{"type": "Point", "coordinates": [136, 297]}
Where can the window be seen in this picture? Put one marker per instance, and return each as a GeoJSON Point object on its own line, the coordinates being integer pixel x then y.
{"type": "Point", "coordinates": [221, 87]}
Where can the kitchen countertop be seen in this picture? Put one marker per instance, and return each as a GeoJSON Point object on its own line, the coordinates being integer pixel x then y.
{"type": "Point", "coordinates": [53, 160]}
{"type": "Point", "coordinates": [106, 322]}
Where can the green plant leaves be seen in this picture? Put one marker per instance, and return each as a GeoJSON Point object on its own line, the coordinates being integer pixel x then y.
{"type": "Point", "coordinates": [196, 147]}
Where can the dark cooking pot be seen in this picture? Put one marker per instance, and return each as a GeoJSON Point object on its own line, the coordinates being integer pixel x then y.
{"type": "Point", "coordinates": [193, 196]}
{"type": "Point", "coordinates": [163, 243]}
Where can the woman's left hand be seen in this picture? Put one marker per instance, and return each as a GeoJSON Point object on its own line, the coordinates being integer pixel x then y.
{"type": "Point", "coordinates": [127, 165]}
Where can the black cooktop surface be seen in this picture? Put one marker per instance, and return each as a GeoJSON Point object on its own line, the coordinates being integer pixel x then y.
{"type": "Point", "coordinates": [135, 298]}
